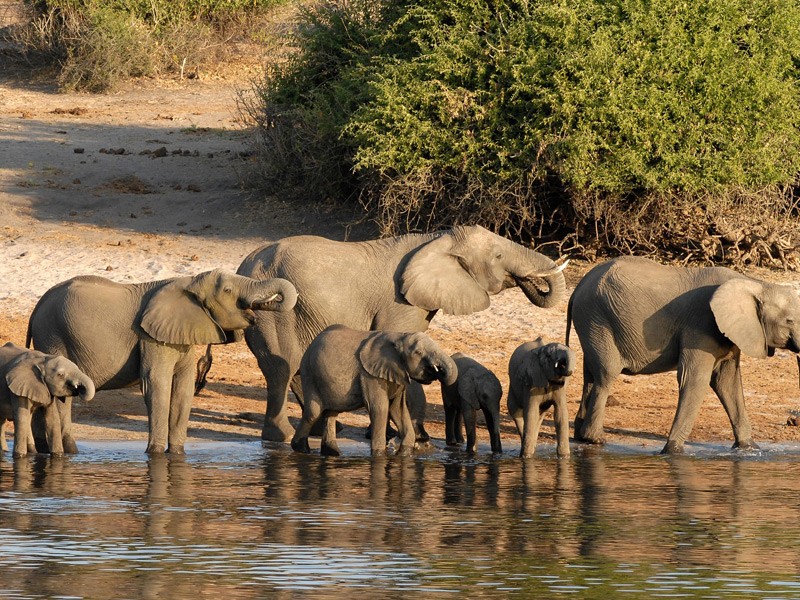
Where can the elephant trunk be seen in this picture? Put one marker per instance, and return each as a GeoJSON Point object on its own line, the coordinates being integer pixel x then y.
{"type": "Point", "coordinates": [493, 425]}
{"type": "Point", "coordinates": [274, 294]}
{"type": "Point", "coordinates": [84, 388]}
{"type": "Point", "coordinates": [447, 369]}
{"type": "Point", "coordinates": [529, 266]}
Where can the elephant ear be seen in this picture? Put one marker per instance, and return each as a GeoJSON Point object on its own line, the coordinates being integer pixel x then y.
{"type": "Point", "coordinates": [535, 374]}
{"type": "Point", "coordinates": [434, 279]}
{"type": "Point", "coordinates": [174, 315]}
{"type": "Point", "coordinates": [735, 305]}
{"type": "Point", "coordinates": [380, 357]}
{"type": "Point", "coordinates": [26, 380]}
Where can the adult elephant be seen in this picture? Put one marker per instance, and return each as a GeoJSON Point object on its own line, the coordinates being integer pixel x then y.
{"type": "Point", "coordinates": [393, 284]}
{"type": "Point", "coordinates": [123, 334]}
{"type": "Point", "coordinates": [635, 316]}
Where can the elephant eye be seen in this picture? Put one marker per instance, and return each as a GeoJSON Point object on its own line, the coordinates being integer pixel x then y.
{"type": "Point", "coordinates": [499, 256]}
{"type": "Point", "coordinates": [228, 290]}
{"type": "Point", "coordinates": [60, 375]}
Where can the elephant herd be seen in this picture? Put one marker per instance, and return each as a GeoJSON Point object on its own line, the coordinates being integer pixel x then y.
{"type": "Point", "coordinates": [341, 324]}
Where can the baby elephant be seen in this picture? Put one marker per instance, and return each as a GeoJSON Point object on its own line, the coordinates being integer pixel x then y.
{"type": "Point", "coordinates": [29, 381]}
{"type": "Point", "coordinates": [476, 388]}
{"type": "Point", "coordinates": [344, 369]}
{"type": "Point", "coordinates": [537, 376]}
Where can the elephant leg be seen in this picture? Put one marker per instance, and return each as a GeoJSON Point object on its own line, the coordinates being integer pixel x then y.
{"type": "Point", "coordinates": [450, 424]}
{"type": "Point", "coordinates": [589, 428]}
{"type": "Point", "coordinates": [3, 442]}
{"type": "Point", "coordinates": [492, 418]}
{"type": "Point", "coordinates": [180, 404]}
{"type": "Point", "coordinates": [378, 404]}
{"type": "Point", "coordinates": [22, 426]}
{"type": "Point", "coordinates": [516, 413]}
{"type": "Point", "coordinates": [726, 381]}
{"type": "Point", "coordinates": [458, 428]}
{"type": "Point", "coordinates": [417, 408]}
{"type": "Point", "coordinates": [64, 410]}
{"type": "Point", "coordinates": [312, 412]}
{"type": "Point", "coordinates": [561, 420]}
{"type": "Point", "coordinates": [400, 414]}
{"type": "Point", "coordinates": [694, 377]}
{"type": "Point", "coordinates": [535, 408]}
{"type": "Point", "coordinates": [329, 445]}
{"type": "Point", "coordinates": [157, 371]}
{"type": "Point", "coordinates": [276, 419]}
{"type": "Point", "coordinates": [53, 425]}
{"type": "Point", "coordinates": [279, 360]}
{"type": "Point", "coordinates": [588, 384]}
{"type": "Point", "coordinates": [470, 424]}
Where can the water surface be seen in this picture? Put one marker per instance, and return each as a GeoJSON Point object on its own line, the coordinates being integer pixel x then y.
{"type": "Point", "coordinates": [250, 522]}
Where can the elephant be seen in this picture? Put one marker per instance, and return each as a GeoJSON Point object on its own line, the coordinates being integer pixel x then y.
{"type": "Point", "coordinates": [537, 374]}
{"type": "Point", "coordinates": [123, 334]}
{"type": "Point", "coordinates": [393, 284]}
{"type": "Point", "coordinates": [345, 369]}
{"type": "Point", "coordinates": [635, 316]}
{"type": "Point", "coordinates": [32, 381]}
{"type": "Point", "coordinates": [476, 388]}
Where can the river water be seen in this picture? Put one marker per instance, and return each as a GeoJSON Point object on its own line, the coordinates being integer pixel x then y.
{"type": "Point", "coordinates": [242, 521]}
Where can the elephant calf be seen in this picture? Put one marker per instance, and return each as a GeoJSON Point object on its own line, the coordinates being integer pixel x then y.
{"type": "Point", "coordinates": [537, 377]}
{"type": "Point", "coordinates": [32, 381]}
{"type": "Point", "coordinates": [476, 388]}
{"type": "Point", "coordinates": [345, 369]}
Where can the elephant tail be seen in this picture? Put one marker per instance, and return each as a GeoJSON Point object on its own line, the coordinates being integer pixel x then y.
{"type": "Point", "coordinates": [569, 320]}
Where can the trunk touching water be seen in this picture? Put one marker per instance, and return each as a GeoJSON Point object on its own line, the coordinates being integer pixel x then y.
{"type": "Point", "coordinates": [530, 266]}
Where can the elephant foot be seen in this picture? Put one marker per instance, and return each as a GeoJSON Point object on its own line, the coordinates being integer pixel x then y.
{"type": "Point", "coordinates": [70, 447]}
{"type": "Point", "coordinates": [329, 450]}
{"type": "Point", "coordinates": [422, 435]}
{"type": "Point", "coordinates": [176, 449]}
{"type": "Point", "coordinates": [746, 445]}
{"type": "Point", "coordinates": [673, 447]}
{"type": "Point", "coordinates": [405, 450]}
{"type": "Point", "coordinates": [588, 437]}
{"type": "Point", "coordinates": [275, 431]}
{"type": "Point", "coordinates": [155, 449]}
{"type": "Point", "coordinates": [378, 453]}
{"type": "Point", "coordinates": [301, 445]}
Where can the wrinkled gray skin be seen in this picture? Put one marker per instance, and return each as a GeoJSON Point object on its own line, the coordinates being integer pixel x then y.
{"type": "Point", "coordinates": [394, 284]}
{"type": "Point", "coordinates": [345, 369]}
{"type": "Point", "coordinates": [33, 381]}
{"type": "Point", "coordinates": [476, 388]}
{"type": "Point", "coordinates": [537, 374]}
{"type": "Point", "coordinates": [635, 316]}
{"type": "Point", "coordinates": [123, 334]}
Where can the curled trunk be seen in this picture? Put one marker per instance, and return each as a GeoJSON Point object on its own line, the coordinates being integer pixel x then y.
{"type": "Point", "coordinates": [540, 279]}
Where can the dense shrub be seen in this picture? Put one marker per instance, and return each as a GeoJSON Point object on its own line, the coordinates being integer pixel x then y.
{"type": "Point", "coordinates": [642, 126]}
{"type": "Point", "coordinates": [98, 43]}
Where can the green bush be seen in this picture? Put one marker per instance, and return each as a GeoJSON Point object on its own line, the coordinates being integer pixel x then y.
{"type": "Point", "coordinates": [638, 125]}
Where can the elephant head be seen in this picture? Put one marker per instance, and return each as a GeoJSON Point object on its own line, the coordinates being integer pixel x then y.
{"type": "Point", "coordinates": [400, 357]}
{"type": "Point", "coordinates": [459, 269]}
{"type": "Point", "coordinates": [479, 389]}
{"type": "Point", "coordinates": [758, 317]}
{"type": "Point", "coordinates": [43, 377]}
{"type": "Point", "coordinates": [210, 308]}
{"type": "Point", "coordinates": [547, 366]}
